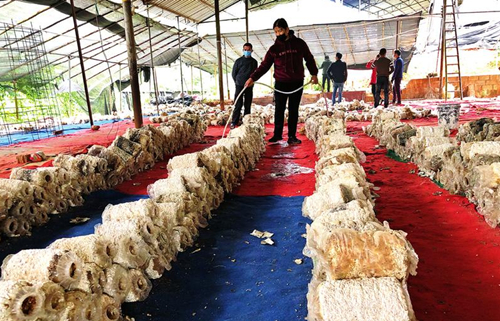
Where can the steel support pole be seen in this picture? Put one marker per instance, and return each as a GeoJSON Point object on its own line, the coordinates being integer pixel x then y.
{"type": "Point", "coordinates": [443, 52]}
{"type": "Point", "coordinates": [153, 71]}
{"type": "Point", "coordinates": [219, 54]}
{"type": "Point", "coordinates": [227, 75]}
{"type": "Point", "coordinates": [246, 20]}
{"type": "Point", "coordinates": [120, 87]}
{"type": "Point", "coordinates": [85, 87]}
{"type": "Point", "coordinates": [69, 83]}
{"type": "Point", "coordinates": [180, 58]}
{"type": "Point", "coordinates": [398, 31]}
{"type": "Point", "coordinates": [132, 63]}
{"type": "Point", "coordinates": [199, 61]}
{"type": "Point", "coordinates": [192, 77]}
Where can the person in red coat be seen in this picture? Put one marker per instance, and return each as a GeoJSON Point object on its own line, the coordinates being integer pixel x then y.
{"type": "Point", "coordinates": [287, 54]}
{"type": "Point", "coordinates": [373, 80]}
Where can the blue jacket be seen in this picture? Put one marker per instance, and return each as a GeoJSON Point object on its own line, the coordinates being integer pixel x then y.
{"type": "Point", "coordinates": [398, 68]}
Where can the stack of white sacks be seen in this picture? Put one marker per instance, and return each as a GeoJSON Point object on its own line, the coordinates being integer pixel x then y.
{"type": "Point", "coordinates": [467, 165]}
{"type": "Point", "coordinates": [89, 277]}
{"type": "Point", "coordinates": [361, 111]}
{"type": "Point", "coordinates": [360, 265]}
{"type": "Point", "coordinates": [31, 195]}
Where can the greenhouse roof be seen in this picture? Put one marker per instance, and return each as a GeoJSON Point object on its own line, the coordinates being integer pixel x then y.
{"type": "Point", "coordinates": [359, 41]}
{"type": "Point", "coordinates": [389, 8]}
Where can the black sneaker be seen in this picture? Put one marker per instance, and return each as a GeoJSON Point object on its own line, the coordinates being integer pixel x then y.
{"type": "Point", "coordinates": [275, 139]}
{"type": "Point", "coordinates": [294, 141]}
{"type": "Point", "coordinates": [232, 126]}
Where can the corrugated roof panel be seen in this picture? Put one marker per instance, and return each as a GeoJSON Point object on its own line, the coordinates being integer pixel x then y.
{"type": "Point", "coordinates": [389, 8]}
{"type": "Point", "coordinates": [194, 10]}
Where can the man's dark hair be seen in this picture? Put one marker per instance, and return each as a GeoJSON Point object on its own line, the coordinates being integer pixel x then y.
{"type": "Point", "coordinates": [397, 52]}
{"type": "Point", "coordinates": [248, 45]}
{"type": "Point", "coordinates": [327, 57]}
{"type": "Point", "coordinates": [281, 23]}
{"type": "Point", "coordinates": [382, 52]}
{"type": "Point", "coordinates": [338, 55]}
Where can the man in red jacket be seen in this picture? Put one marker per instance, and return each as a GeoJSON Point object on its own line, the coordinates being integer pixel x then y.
{"type": "Point", "coordinates": [287, 54]}
{"type": "Point", "coordinates": [373, 80]}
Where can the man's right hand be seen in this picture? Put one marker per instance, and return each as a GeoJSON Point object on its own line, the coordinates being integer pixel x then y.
{"type": "Point", "coordinates": [249, 82]}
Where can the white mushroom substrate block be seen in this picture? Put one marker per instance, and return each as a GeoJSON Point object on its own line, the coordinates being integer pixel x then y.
{"type": "Point", "coordinates": [137, 241]}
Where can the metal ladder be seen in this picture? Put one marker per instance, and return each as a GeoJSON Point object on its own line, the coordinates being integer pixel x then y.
{"type": "Point", "coordinates": [450, 53]}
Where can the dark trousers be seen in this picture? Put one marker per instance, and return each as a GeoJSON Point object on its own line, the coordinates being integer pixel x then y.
{"type": "Point", "coordinates": [246, 97]}
{"type": "Point", "coordinates": [382, 83]}
{"type": "Point", "coordinates": [374, 91]}
{"type": "Point", "coordinates": [293, 107]}
{"type": "Point", "coordinates": [327, 80]}
{"type": "Point", "coordinates": [396, 91]}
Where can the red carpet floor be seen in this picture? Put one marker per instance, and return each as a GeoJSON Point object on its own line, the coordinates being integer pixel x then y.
{"type": "Point", "coordinates": [67, 144]}
{"type": "Point", "coordinates": [79, 143]}
{"type": "Point", "coordinates": [459, 269]}
{"type": "Point", "coordinates": [282, 171]}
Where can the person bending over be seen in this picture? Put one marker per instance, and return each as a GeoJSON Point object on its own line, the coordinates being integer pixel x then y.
{"type": "Point", "coordinates": [286, 54]}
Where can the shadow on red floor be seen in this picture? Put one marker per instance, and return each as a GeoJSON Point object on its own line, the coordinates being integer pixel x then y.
{"type": "Point", "coordinates": [459, 269]}
{"type": "Point", "coordinates": [283, 170]}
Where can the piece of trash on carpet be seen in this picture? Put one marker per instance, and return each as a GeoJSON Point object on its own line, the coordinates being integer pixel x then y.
{"type": "Point", "coordinates": [262, 235]}
{"type": "Point", "coordinates": [79, 220]}
{"type": "Point", "coordinates": [267, 241]}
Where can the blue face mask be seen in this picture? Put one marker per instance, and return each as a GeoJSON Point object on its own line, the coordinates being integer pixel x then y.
{"type": "Point", "coordinates": [247, 53]}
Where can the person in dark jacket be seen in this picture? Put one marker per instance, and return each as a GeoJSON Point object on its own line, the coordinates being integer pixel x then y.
{"type": "Point", "coordinates": [324, 66]}
{"type": "Point", "coordinates": [384, 69]}
{"type": "Point", "coordinates": [242, 69]}
{"type": "Point", "coordinates": [287, 54]}
{"type": "Point", "coordinates": [397, 77]}
{"type": "Point", "coordinates": [338, 72]}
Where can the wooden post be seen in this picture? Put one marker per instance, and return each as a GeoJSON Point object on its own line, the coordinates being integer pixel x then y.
{"type": "Point", "coordinates": [82, 66]}
{"type": "Point", "coordinates": [219, 53]}
{"type": "Point", "coordinates": [132, 62]}
{"type": "Point", "coordinates": [246, 19]}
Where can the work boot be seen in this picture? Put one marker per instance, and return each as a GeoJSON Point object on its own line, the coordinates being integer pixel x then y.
{"type": "Point", "coordinates": [275, 139]}
{"type": "Point", "coordinates": [294, 141]}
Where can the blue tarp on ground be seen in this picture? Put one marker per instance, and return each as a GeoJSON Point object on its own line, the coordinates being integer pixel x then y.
{"type": "Point", "coordinates": [59, 226]}
{"type": "Point", "coordinates": [233, 276]}
{"type": "Point", "coordinates": [27, 137]}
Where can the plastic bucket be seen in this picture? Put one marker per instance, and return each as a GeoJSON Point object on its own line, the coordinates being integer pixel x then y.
{"type": "Point", "coordinates": [448, 115]}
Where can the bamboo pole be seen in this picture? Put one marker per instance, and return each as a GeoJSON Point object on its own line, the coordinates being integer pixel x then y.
{"type": "Point", "coordinates": [132, 63]}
